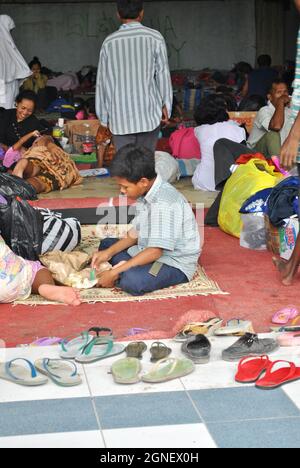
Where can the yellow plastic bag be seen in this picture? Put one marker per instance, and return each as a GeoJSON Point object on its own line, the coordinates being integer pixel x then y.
{"type": "Point", "coordinates": [247, 180]}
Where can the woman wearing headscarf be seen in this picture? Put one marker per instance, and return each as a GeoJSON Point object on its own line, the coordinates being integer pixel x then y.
{"type": "Point", "coordinates": [13, 67]}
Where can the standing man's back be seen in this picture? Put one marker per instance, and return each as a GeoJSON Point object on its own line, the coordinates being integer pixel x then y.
{"type": "Point", "coordinates": [134, 90]}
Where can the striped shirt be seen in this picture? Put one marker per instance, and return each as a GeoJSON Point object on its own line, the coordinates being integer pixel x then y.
{"type": "Point", "coordinates": [165, 220]}
{"type": "Point", "coordinates": [133, 80]}
{"type": "Point", "coordinates": [296, 93]}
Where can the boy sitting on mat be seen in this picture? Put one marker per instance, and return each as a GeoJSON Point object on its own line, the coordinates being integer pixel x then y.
{"type": "Point", "coordinates": [163, 247]}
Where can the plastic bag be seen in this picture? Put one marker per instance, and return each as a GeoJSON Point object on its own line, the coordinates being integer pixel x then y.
{"type": "Point", "coordinates": [11, 186]}
{"type": "Point", "coordinates": [70, 268]}
{"type": "Point", "coordinates": [253, 235]}
{"type": "Point", "coordinates": [248, 179]}
{"type": "Point", "coordinates": [59, 234]}
{"type": "Point", "coordinates": [166, 166]}
{"type": "Point", "coordinates": [21, 227]}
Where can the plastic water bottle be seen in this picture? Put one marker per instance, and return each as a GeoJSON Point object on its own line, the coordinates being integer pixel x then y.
{"type": "Point", "coordinates": [88, 144]}
{"type": "Point", "coordinates": [58, 130]}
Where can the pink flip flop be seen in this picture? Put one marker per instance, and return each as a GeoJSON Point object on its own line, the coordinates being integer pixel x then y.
{"type": "Point", "coordinates": [283, 316]}
{"type": "Point", "coordinates": [289, 339]}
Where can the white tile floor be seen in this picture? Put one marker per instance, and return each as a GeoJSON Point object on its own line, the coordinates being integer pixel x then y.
{"type": "Point", "coordinates": [102, 430]}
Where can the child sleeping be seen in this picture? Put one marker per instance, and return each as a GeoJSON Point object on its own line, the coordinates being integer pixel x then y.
{"type": "Point", "coordinates": [19, 277]}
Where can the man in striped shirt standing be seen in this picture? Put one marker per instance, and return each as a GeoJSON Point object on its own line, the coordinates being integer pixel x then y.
{"type": "Point", "coordinates": [134, 90]}
{"type": "Point", "coordinates": [290, 154]}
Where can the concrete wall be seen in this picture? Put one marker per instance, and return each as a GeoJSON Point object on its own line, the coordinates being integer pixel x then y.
{"type": "Point", "coordinates": [199, 34]}
{"type": "Point", "coordinates": [291, 29]}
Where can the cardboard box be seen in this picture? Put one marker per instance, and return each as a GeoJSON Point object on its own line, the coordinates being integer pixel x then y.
{"type": "Point", "coordinates": [288, 236]}
{"type": "Point", "coordinates": [246, 118]}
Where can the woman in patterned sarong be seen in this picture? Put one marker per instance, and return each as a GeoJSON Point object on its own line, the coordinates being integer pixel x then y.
{"type": "Point", "coordinates": [47, 167]}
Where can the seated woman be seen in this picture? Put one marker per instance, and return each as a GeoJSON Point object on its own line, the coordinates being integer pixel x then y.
{"type": "Point", "coordinates": [37, 80]}
{"type": "Point", "coordinates": [20, 277]}
{"type": "Point", "coordinates": [213, 124]}
{"type": "Point", "coordinates": [20, 126]}
{"type": "Point", "coordinates": [47, 167]}
{"type": "Point", "coordinates": [37, 83]}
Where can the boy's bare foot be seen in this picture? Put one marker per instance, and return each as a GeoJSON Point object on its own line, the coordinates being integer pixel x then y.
{"type": "Point", "coordinates": [62, 294]}
{"type": "Point", "coordinates": [284, 269]}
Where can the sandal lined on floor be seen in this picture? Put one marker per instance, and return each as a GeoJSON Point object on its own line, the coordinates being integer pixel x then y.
{"type": "Point", "coordinates": [21, 375]}
{"type": "Point", "coordinates": [169, 369]}
{"type": "Point", "coordinates": [70, 349]}
{"type": "Point", "coordinates": [159, 351]}
{"type": "Point", "coordinates": [235, 327]}
{"type": "Point", "coordinates": [135, 349]}
{"type": "Point", "coordinates": [250, 368]}
{"type": "Point", "coordinates": [277, 378]}
{"type": "Point", "coordinates": [126, 371]}
{"type": "Point", "coordinates": [198, 328]}
{"type": "Point", "coordinates": [197, 348]}
{"type": "Point", "coordinates": [62, 373]}
{"type": "Point", "coordinates": [98, 349]}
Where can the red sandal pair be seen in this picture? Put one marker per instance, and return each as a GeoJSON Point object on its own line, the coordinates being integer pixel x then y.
{"type": "Point", "coordinates": [251, 368]}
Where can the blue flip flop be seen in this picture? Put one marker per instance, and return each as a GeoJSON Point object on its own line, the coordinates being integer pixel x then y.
{"type": "Point", "coordinates": [61, 372]}
{"type": "Point", "coordinates": [21, 375]}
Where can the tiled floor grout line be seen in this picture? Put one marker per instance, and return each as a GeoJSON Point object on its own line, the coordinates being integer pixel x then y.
{"type": "Point", "coordinates": [94, 407]}
{"type": "Point", "coordinates": [275, 418]}
{"type": "Point", "coordinates": [202, 420]}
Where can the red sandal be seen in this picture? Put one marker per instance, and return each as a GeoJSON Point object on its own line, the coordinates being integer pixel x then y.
{"type": "Point", "coordinates": [284, 375]}
{"type": "Point", "coordinates": [251, 368]}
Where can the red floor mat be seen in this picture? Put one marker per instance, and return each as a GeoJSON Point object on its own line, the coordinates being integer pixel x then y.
{"type": "Point", "coordinates": [250, 278]}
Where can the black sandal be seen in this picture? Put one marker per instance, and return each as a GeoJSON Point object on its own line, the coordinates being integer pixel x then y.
{"type": "Point", "coordinates": [136, 349]}
{"type": "Point", "coordinates": [159, 351]}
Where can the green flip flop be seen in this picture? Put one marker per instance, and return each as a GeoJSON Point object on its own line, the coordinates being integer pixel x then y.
{"type": "Point", "coordinates": [126, 371]}
{"type": "Point", "coordinates": [21, 375]}
{"type": "Point", "coordinates": [63, 373]}
{"type": "Point", "coordinates": [71, 348]}
{"type": "Point", "coordinates": [169, 369]}
{"type": "Point", "coordinates": [99, 348]}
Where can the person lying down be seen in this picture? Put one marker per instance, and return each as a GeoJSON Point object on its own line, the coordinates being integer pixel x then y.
{"type": "Point", "coordinates": [47, 167]}
{"type": "Point", "coordinates": [19, 277]}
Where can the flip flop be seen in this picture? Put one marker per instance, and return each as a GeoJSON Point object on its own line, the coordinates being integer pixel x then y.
{"type": "Point", "coordinates": [277, 378]}
{"type": "Point", "coordinates": [135, 349]}
{"type": "Point", "coordinates": [207, 328]}
{"type": "Point", "coordinates": [169, 369]}
{"type": "Point", "coordinates": [283, 316]}
{"type": "Point", "coordinates": [289, 339]}
{"type": "Point", "coordinates": [70, 349]}
{"type": "Point", "coordinates": [236, 327]}
{"type": "Point", "coordinates": [98, 349]}
{"type": "Point", "coordinates": [126, 371]}
{"type": "Point", "coordinates": [21, 375]}
{"type": "Point", "coordinates": [250, 368]}
{"type": "Point", "coordinates": [159, 351]}
{"type": "Point", "coordinates": [46, 341]}
{"type": "Point", "coordinates": [63, 373]}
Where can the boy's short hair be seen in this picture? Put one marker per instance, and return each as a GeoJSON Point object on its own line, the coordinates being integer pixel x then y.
{"type": "Point", "coordinates": [129, 9]}
{"type": "Point", "coordinates": [133, 164]}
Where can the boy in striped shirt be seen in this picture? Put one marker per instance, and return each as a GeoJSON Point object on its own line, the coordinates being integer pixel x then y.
{"type": "Point", "coordinates": [163, 247]}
